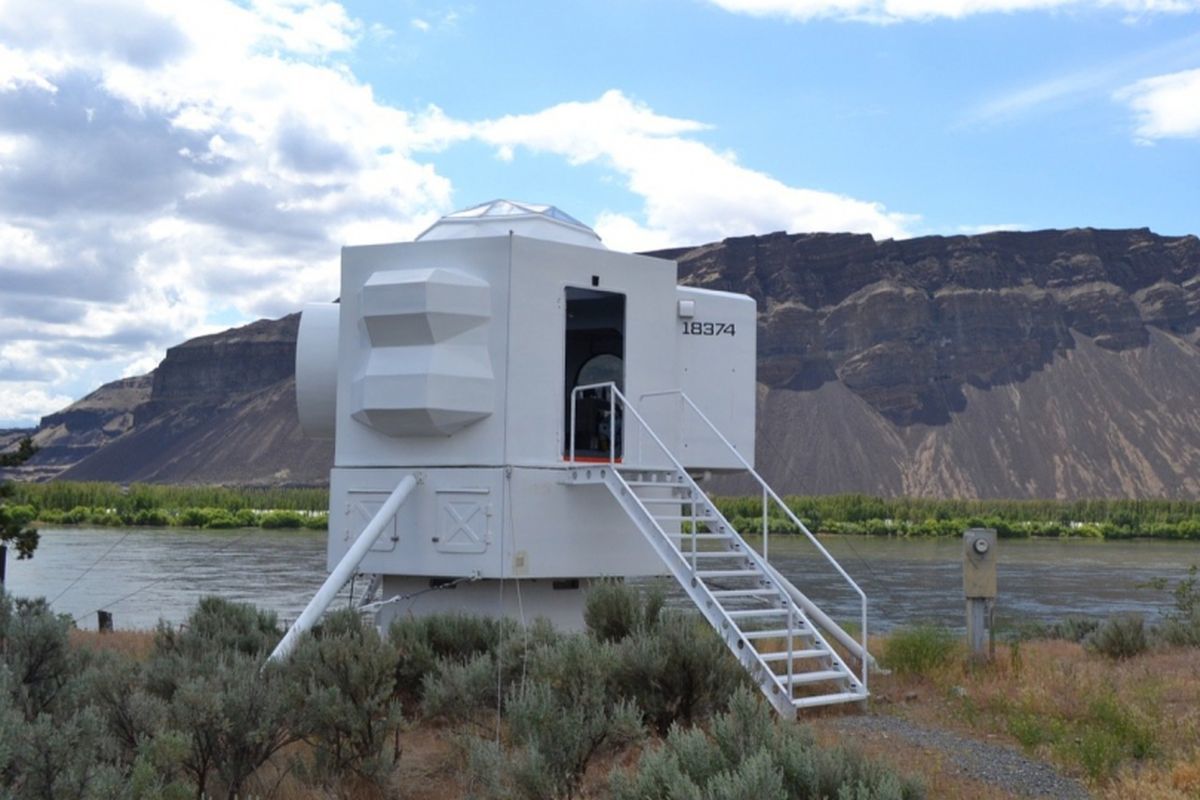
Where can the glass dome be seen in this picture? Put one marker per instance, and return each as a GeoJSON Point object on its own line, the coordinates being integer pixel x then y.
{"type": "Point", "coordinates": [501, 217]}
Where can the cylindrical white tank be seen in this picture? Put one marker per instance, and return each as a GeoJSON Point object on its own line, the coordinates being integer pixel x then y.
{"type": "Point", "coordinates": [316, 369]}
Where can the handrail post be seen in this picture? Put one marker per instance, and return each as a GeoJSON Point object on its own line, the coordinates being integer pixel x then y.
{"type": "Point", "coordinates": [612, 424]}
{"type": "Point", "coordinates": [695, 528]}
{"type": "Point", "coordinates": [791, 661]}
{"type": "Point", "coordinates": [766, 531]}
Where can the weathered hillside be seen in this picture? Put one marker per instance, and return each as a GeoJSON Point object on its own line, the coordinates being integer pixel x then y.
{"type": "Point", "coordinates": [218, 409]}
{"type": "Point", "coordinates": [1045, 364]}
{"type": "Point", "coordinates": [1053, 363]}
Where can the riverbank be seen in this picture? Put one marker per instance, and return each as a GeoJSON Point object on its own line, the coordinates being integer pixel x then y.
{"type": "Point", "coordinates": [220, 507]}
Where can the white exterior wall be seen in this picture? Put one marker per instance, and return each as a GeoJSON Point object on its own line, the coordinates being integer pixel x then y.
{"type": "Point", "coordinates": [486, 318]}
{"type": "Point", "coordinates": [518, 523]}
{"type": "Point", "coordinates": [715, 366]}
{"type": "Point", "coordinates": [542, 271]}
{"type": "Point", "coordinates": [479, 443]}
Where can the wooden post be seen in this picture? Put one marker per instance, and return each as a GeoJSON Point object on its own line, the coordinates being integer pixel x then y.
{"type": "Point", "coordinates": [3, 562]}
{"type": "Point", "coordinates": [104, 621]}
{"type": "Point", "coordinates": [979, 588]}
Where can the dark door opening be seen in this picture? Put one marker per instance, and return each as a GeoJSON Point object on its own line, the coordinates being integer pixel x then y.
{"type": "Point", "coordinates": [595, 353]}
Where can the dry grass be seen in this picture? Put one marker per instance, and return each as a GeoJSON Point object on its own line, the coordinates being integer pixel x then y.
{"type": "Point", "coordinates": [137, 644]}
{"type": "Point", "coordinates": [1175, 781]}
{"type": "Point", "coordinates": [937, 769]}
{"type": "Point", "coordinates": [1129, 728]}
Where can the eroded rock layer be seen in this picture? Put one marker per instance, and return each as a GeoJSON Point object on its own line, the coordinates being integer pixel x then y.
{"type": "Point", "coordinates": [909, 325]}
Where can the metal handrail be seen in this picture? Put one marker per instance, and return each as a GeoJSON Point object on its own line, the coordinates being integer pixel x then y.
{"type": "Point", "coordinates": [768, 491]}
{"type": "Point", "coordinates": [615, 393]}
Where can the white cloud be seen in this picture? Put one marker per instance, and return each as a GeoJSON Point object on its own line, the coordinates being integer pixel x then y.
{"type": "Point", "coordinates": [1096, 82]}
{"type": "Point", "coordinates": [25, 402]}
{"type": "Point", "coordinates": [888, 11]}
{"type": "Point", "coordinates": [691, 192]}
{"type": "Point", "coordinates": [221, 156]}
{"type": "Point", "coordinates": [990, 227]}
{"type": "Point", "coordinates": [1166, 106]}
{"type": "Point", "coordinates": [221, 153]}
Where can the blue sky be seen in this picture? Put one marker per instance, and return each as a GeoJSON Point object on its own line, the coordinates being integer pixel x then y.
{"type": "Point", "coordinates": [171, 169]}
{"type": "Point", "coordinates": [994, 119]}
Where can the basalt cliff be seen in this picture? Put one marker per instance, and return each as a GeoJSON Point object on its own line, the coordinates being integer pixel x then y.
{"type": "Point", "coordinates": [1041, 364]}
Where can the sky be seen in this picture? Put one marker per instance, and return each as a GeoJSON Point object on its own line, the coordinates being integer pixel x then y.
{"type": "Point", "coordinates": [169, 169]}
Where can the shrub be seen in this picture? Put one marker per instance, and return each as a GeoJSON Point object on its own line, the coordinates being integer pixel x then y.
{"type": "Point", "coordinates": [114, 685]}
{"type": "Point", "coordinates": [194, 517]}
{"type": "Point", "coordinates": [63, 757]}
{"type": "Point", "coordinates": [36, 653]}
{"type": "Point", "coordinates": [216, 626]}
{"type": "Point", "coordinates": [156, 773]}
{"type": "Point", "coordinates": [421, 641]}
{"type": "Point", "coordinates": [459, 690]}
{"type": "Point", "coordinates": [152, 517]}
{"type": "Point", "coordinates": [564, 715]}
{"type": "Point", "coordinates": [280, 519]}
{"type": "Point", "coordinates": [317, 522]}
{"type": "Point", "coordinates": [233, 716]}
{"type": "Point", "coordinates": [1181, 627]}
{"type": "Point", "coordinates": [750, 754]}
{"type": "Point", "coordinates": [1074, 628]}
{"type": "Point", "coordinates": [918, 649]}
{"type": "Point", "coordinates": [615, 610]}
{"type": "Point", "coordinates": [77, 515]}
{"type": "Point", "coordinates": [678, 671]}
{"type": "Point", "coordinates": [559, 733]}
{"type": "Point", "coordinates": [1120, 636]}
{"type": "Point", "coordinates": [340, 681]}
{"type": "Point", "coordinates": [222, 520]}
{"type": "Point", "coordinates": [105, 518]}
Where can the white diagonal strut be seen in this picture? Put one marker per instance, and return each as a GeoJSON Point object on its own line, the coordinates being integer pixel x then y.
{"type": "Point", "coordinates": [344, 569]}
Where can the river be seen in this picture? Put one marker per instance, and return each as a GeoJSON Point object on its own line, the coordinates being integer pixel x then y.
{"type": "Point", "coordinates": [142, 575]}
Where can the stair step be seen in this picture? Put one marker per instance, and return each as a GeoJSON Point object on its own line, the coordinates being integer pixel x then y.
{"type": "Point", "coordinates": [729, 573]}
{"type": "Point", "coordinates": [734, 593]}
{"type": "Point", "coordinates": [782, 655]}
{"type": "Point", "coordinates": [804, 678]}
{"type": "Point", "coordinates": [758, 612]}
{"type": "Point", "coordinates": [776, 634]}
{"type": "Point", "coordinates": [724, 577]}
{"type": "Point", "coordinates": [828, 699]}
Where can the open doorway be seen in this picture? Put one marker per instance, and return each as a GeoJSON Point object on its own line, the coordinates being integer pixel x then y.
{"type": "Point", "coordinates": [595, 353]}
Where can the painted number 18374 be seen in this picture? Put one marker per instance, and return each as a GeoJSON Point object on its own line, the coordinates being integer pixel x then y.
{"type": "Point", "coordinates": [694, 328]}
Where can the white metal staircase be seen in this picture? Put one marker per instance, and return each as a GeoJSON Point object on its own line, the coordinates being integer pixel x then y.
{"type": "Point", "coordinates": [779, 636]}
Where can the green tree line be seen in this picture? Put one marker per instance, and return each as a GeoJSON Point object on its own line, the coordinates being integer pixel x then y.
{"type": "Point", "coordinates": [93, 503]}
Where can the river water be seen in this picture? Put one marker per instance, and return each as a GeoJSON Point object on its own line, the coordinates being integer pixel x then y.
{"type": "Point", "coordinates": [143, 575]}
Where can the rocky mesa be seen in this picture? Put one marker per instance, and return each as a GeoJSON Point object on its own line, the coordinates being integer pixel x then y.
{"type": "Point", "coordinates": [1060, 363]}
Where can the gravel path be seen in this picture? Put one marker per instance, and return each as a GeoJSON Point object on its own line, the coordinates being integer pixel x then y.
{"type": "Point", "coordinates": [995, 764]}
